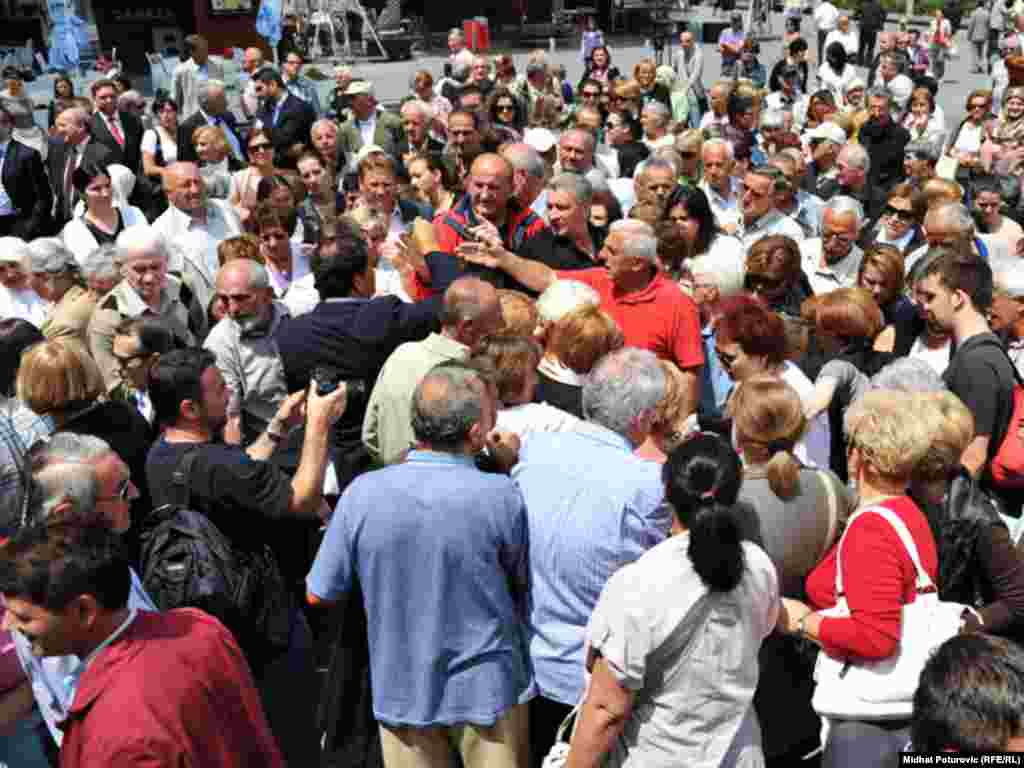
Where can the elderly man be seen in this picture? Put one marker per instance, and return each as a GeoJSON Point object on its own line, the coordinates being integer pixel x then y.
{"type": "Point", "coordinates": [289, 119]}
{"type": "Point", "coordinates": [826, 142]}
{"type": "Point", "coordinates": [195, 225]}
{"type": "Point", "coordinates": [145, 289]}
{"type": "Point", "coordinates": [67, 150]}
{"type": "Point", "coordinates": [528, 176]}
{"type": "Point", "coordinates": [120, 132]}
{"type": "Point", "coordinates": [324, 137]}
{"type": "Point", "coordinates": [833, 260]}
{"type": "Point", "coordinates": [654, 119]}
{"type": "Point", "coordinates": [297, 85]}
{"type": "Point", "coordinates": [471, 312]}
{"type": "Point", "coordinates": [576, 151]}
{"type": "Point", "coordinates": [462, 687]}
{"type": "Point", "coordinates": [213, 110]}
{"type": "Point", "coordinates": [898, 85]}
{"type": "Point", "coordinates": [252, 61]}
{"type": "Point", "coordinates": [720, 186]}
{"type": "Point", "coordinates": [191, 73]}
{"type": "Point", "coordinates": [760, 216]}
{"type": "Point", "coordinates": [570, 242]}
{"type": "Point", "coordinates": [246, 352]}
{"type": "Point", "coordinates": [592, 507]}
{"type": "Point", "coordinates": [17, 298]}
{"type": "Point", "coordinates": [649, 308]}
{"type": "Point", "coordinates": [852, 168]}
{"type": "Point", "coordinates": [368, 125]}
{"type": "Point", "coordinates": [802, 207]}
{"type": "Point", "coordinates": [953, 225]}
{"type": "Point", "coordinates": [416, 117]}
{"type": "Point", "coordinates": [688, 63]}
{"type": "Point", "coordinates": [655, 181]}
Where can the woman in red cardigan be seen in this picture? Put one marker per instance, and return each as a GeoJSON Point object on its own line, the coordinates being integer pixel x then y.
{"type": "Point", "coordinates": [887, 439]}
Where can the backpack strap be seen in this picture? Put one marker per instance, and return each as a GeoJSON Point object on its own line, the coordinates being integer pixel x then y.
{"type": "Point", "coordinates": [181, 478]}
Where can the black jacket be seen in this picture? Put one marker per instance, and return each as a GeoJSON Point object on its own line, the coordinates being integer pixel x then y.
{"type": "Point", "coordinates": [872, 15]}
{"type": "Point", "coordinates": [27, 186]}
{"type": "Point", "coordinates": [56, 164]}
{"type": "Point", "coordinates": [884, 145]}
{"type": "Point", "coordinates": [294, 122]}
{"type": "Point", "coordinates": [130, 155]}
{"type": "Point", "coordinates": [187, 149]}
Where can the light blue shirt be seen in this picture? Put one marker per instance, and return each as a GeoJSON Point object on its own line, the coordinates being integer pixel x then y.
{"type": "Point", "coordinates": [592, 507]}
{"type": "Point", "coordinates": [439, 548]}
{"type": "Point", "coordinates": [716, 384]}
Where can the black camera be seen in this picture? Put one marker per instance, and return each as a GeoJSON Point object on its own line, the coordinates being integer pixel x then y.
{"type": "Point", "coordinates": [328, 378]}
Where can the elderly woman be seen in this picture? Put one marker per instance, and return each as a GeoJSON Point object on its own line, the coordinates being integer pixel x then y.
{"type": "Point", "coordinates": [922, 121]}
{"type": "Point", "coordinates": [887, 441]}
{"type": "Point", "coordinates": [657, 663]}
{"type": "Point", "coordinates": [795, 514]}
{"type": "Point", "coordinates": [978, 562]}
{"type": "Point", "coordinates": [100, 271]}
{"type": "Point", "coordinates": [672, 416]}
{"type": "Point", "coordinates": [56, 278]}
{"type": "Point", "coordinates": [215, 161]}
{"type": "Point", "coordinates": [900, 222]}
{"type": "Point", "coordinates": [103, 219]}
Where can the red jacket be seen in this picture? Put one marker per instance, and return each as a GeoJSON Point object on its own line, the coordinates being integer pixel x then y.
{"type": "Point", "coordinates": [173, 690]}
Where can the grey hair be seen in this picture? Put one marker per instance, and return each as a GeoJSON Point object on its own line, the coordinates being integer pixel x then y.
{"type": "Point", "coordinates": [880, 92]}
{"type": "Point", "coordinates": [523, 157]}
{"type": "Point", "coordinates": [856, 154]}
{"type": "Point", "coordinates": [640, 241]}
{"type": "Point", "coordinates": [73, 448]}
{"type": "Point", "coordinates": [66, 481]}
{"type": "Point", "coordinates": [727, 272]}
{"type": "Point", "coordinates": [954, 215]}
{"type": "Point", "coordinates": [322, 122]}
{"type": "Point", "coordinates": [591, 142]}
{"type": "Point", "coordinates": [140, 238]}
{"type": "Point", "coordinates": [718, 144]}
{"type": "Point", "coordinates": [655, 162]}
{"type": "Point", "coordinates": [622, 387]}
{"type": "Point", "coordinates": [101, 263]}
{"type": "Point", "coordinates": [562, 297]}
{"type": "Point", "coordinates": [672, 155]}
{"type": "Point", "coordinates": [465, 300]}
{"type": "Point", "coordinates": [425, 110]}
{"type": "Point", "coordinates": [908, 374]}
{"type": "Point", "coordinates": [445, 418]}
{"type": "Point", "coordinates": [926, 148]}
{"type": "Point", "coordinates": [130, 96]}
{"type": "Point", "coordinates": [206, 90]}
{"type": "Point", "coordinates": [772, 118]}
{"type": "Point", "coordinates": [843, 204]}
{"type": "Point", "coordinates": [659, 109]}
{"type": "Point", "coordinates": [598, 180]}
{"type": "Point", "coordinates": [49, 254]}
{"type": "Point", "coordinates": [573, 183]}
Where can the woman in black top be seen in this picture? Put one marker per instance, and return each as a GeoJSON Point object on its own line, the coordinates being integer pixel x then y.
{"type": "Point", "coordinates": [63, 98]}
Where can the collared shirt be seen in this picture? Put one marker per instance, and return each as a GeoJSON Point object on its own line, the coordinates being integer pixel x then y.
{"type": "Point", "coordinates": [198, 240]}
{"type": "Point", "coordinates": [251, 365]}
{"type": "Point", "coordinates": [466, 660]}
{"type": "Point", "coordinates": [592, 507]}
{"type": "Point", "coordinates": [716, 384]}
{"type": "Point", "coordinates": [113, 121]}
{"type": "Point", "coordinates": [23, 303]}
{"type": "Point", "coordinates": [726, 210]}
{"type": "Point", "coordinates": [282, 282]}
{"type": "Point", "coordinates": [825, 278]}
{"type": "Point", "coordinates": [808, 213]}
{"type": "Point", "coordinates": [387, 427]}
{"type": "Point", "coordinates": [303, 88]}
{"type": "Point", "coordinates": [366, 128]}
{"type": "Point", "coordinates": [772, 223]}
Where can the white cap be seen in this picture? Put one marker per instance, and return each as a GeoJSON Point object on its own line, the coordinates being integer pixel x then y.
{"type": "Point", "coordinates": [829, 131]}
{"type": "Point", "coordinates": [540, 139]}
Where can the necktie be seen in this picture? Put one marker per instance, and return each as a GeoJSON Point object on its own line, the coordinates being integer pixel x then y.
{"type": "Point", "coordinates": [115, 130]}
{"type": "Point", "coordinates": [72, 162]}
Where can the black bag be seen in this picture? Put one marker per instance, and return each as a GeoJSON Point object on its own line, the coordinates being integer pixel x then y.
{"type": "Point", "coordinates": [188, 562]}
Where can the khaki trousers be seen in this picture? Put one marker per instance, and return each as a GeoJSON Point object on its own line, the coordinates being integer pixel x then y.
{"type": "Point", "coordinates": [502, 745]}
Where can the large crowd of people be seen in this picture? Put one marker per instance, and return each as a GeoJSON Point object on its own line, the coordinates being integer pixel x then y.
{"type": "Point", "coordinates": [538, 413]}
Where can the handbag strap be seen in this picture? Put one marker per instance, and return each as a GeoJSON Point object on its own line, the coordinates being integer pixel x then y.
{"type": "Point", "coordinates": [923, 581]}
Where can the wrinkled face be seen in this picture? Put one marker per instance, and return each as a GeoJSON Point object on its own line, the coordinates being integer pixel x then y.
{"type": "Point", "coordinates": [887, 69]}
{"type": "Point", "coordinates": [48, 633]}
{"type": "Point", "coordinates": [620, 266]}
{"type": "Point", "coordinates": [565, 215]}
{"type": "Point", "coordinates": [878, 108]}
{"type": "Point", "coordinates": [651, 122]}
{"type": "Point", "coordinates": [71, 128]}
{"type": "Point", "coordinates": [423, 179]}
{"type": "Point", "coordinates": [757, 197]}
{"type": "Point", "coordinates": [313, 176]}
{"type": "Point", "coordinates": [936, 303]}
{"type": "Point", "coordinates": [990, 204]}
{"type": "Point", "coordinates": [850, 176]}
{"type": "Point", "coordinates": [415, 126]}
{"type": "Point", "coordinates": [898, 217]}
{"type": "Point", "coordinates": [872, 279]}
{"type": "Point", "coordinates": [717, 167]}
{"type": "Point", "coordinates": [489, 190]}
{"type": "Point", "coordinates": [50, 286]}
{"type": "Point", "coordinates": [855, 97]}
{"type": "Point", "coordinates": [252, 60]}
{"type": "Point", "coordinates": [838, 234]}
{"type": "Point", "coordinates": [480, 70]}
{"type": "Point", "coordinates": [574, 153]}
{"type": "Point", "coordinates": [325, 139]}
{"type": "Point", "coordinates": [147, 275]}
{"type": "Point", "coordinates": [115, 492]}
{"type": "Point", "coordinates": [246, 305]}
{"type": "Point", "coordinates": [462, 133]}
{"type": "Point", "coordinates": [378, 189]}
{"type": "Point", "coordinates": [105, 99]}
{"type": "Point", "coordinates": [1005, 314]}
{"type": "Point", "coordinates": [186, 190]}
{"type": "Point", "coordinates": [656, 184]}
{"type": "Point", "coordinates": [719, 101]}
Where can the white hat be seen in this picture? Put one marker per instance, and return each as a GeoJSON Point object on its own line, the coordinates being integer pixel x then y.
{"type": "Point", "coordinates": [359, 86]}
{"type": "Point", "coordinates": [854, 85]}
{"type": "Point", "coordinates": [540, 139]}
{"type": "Point", "coordinates": [828, 131]}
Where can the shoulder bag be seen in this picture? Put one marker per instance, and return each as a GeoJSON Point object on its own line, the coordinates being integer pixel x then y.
{"type": "Point", "coordinates": [884, 690]}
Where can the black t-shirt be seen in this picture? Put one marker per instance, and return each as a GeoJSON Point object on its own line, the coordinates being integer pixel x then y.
{"type": "Point", "coordinates": [238, 494]}
{"type": "Point", "coordinates": [981, 375]}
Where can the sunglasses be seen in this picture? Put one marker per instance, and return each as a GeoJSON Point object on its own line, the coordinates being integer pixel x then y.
{"type": "Point", "coordinates": [505, 108]}
{"type": "Point", "coordinates": [259, 147]}
{"type": "Point", "coordinates": [763, 283]}
{"type": "Point", "coordinates": [590, 94]}
{"type": "Point", "coordinates": [972, 107]}
{"type": "Point", "coordinates": [899, 213]}
{"type": "Point", "coordinates": [688, 155]}
{"type": "Point", "coordinates": [726, 359]}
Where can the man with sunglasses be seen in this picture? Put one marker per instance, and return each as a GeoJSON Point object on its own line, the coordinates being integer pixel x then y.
{"type": "Point", "coordinates": [622, 132]}
{"type": "Point", "coordinates": [138, 344]}
{"type": "Point", "coordinates": [760, 217]}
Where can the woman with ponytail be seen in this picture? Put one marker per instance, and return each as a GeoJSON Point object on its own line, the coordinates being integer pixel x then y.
{"type": "Point", "coordinates": [795, 514]}
{"type": "Point", "coordinates": [673, 640]}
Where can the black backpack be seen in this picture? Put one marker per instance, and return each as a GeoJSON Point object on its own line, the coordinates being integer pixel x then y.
{"type": "Point", "coordinates": [188, 562]}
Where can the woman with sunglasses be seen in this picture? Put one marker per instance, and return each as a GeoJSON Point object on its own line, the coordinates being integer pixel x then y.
{"type": "Point", "coordinates": [245, 183]}
{"type": "Point", "coordinates": [968, 137]}
{"type": "Point", "coordinates": [900, 222]}
{"type": "Point", "coordinates": [507, 114]}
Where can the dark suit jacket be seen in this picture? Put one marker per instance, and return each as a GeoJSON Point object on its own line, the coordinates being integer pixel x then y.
{"type": "Point", "coordinates": [187, 150]}
{"type": "Point", "coordinates": [433, 146]}
{"type": "Point", "coordinates": [56, 159]}
{"type": "Point", "coordinates": [27, 186]}
{"type": "Point", "coordinates": [294, 123]}
{"type": "Point", "coordinates": [130, 155]}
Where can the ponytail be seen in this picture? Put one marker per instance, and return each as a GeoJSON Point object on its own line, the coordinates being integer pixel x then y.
{"type": "Point", "coordinates": [716, 547]}
{"type": "Point", "coordinates": [783, 473]}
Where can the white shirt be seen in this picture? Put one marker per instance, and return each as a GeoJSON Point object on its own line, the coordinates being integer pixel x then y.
{"type": "Point", "coordinates": [848, 40]}
{"type": "Point", "coordinates": [772, 223]}
{"type": "Point", "coordinates": [814, 448]}
{"type": "Point", "coordinates": [824, 279]}
{"type": "Point", "coordinates": [367, 128]}
{"type": "Point", "coordinates": [938, 358]}
{"type": "Point", "coordinates": [281, 282]}
{"type": "Point", "coordinates": [196, 238]}
{"type": "Point", "coordinates": [528, 418]}
{"type": "Point", "coordinates": [23, 303]}
{"type": "Point", "coordinates": [826, 16]}
{"type": "Point", "coordinates": [727, 211]}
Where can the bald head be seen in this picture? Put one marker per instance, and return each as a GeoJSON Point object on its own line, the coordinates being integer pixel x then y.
{"type": "Point", "coordinates": [244, 287]}
{"type": "Point", "coordinates": [252, 59]}
{"type": "Point", "coordinates": [490, 185]}
{"type": "Point", "coordinates": [73, 125]}
{"type": "Point", "coordinates": [471, 310]}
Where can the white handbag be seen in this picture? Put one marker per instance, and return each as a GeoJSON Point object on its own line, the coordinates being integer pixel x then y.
{"type": "Point", "coordinates": [884, 690]}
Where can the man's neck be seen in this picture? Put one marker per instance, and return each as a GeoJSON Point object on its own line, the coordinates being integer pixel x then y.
{"type": "Point", "coordinates": [188, 434]}
{"type": "Point", "coordinates": [106, 625]}
{"type": "Point", "coordinates": [968, 324]}
{"type": "Point", "coordinates": [724, 188]}
{"type": "Point", "coordinates": [635, 283]}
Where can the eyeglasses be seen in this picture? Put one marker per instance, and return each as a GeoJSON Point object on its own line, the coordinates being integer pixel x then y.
{"type": "Point", "coordinates": [505, 107]}
{"type": "Point", "coordinates": [590, 94]}
{"type": "Point", "coordinates": [131, 362]}
{"type": "Point", "coordinates": [899, 213]}
{"type": "Point", "coordinates": [726, 359]}
{"type": "Point", "coordinates": [260, 147]}
{"type": "Point", "coordinates": [844, 239]}
{"type": "Point", "coordinates": [972, 107]}
{"type": "Point", "coordinates": [763, 283]}
{"type": "Point", "coordinates": [123, 491]}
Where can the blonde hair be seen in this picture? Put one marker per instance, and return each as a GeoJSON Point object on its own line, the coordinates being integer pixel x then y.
{"type": "Point", "coordinates": [885, 426]}
{"type": "Point", "coordinates": [584, 336]}
{"type": "Point", "coordinates": [670, 411]}
{"type": "Point", "coordinates": [518, 312]}
{"type": "Point", "coordinates": [213, 134]}
{"type": "Point", "coordinates": [245, 246]}
{"type": "Point", "coordinates": [769, 418]}
{"type": "Point", "coordinates": [57, 374]}
{"type": "Point", "coordinates": [951, 425]}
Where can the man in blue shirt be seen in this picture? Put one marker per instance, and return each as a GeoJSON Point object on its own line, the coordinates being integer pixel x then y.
{"type": "Point", "coordinates": [439, 549]}
{"type": "Point", "coordinates": [593, 506]}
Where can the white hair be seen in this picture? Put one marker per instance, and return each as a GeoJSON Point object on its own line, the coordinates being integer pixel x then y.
{"type": "Point", "coordinates": [908, 374]}
{"type": "Point", "coordinates": [622, 387]}
{"type": "Point", "coordinates": [564, 296]}
{"type": "Point", "coordinates": [100, 263]}
{"type": "Point", "coordinates": [856, 155]}
{"type": "Point", "coordinates": [573, 183]}
{"type": "Point", "coordinates": [659, 109]}
{"type": "Point", "coordinates": [718, 144]}
{"type": "Point", "coordinates": [49, 254]}
{"type": "Point", "coordinates": [425, 110]}
{"type": "Point", "coordinates": [140, 241]}
{"type": "Point", "coordinates": [728, 273]}
{"type": "Point", "coordinates": [324, 121]}
{"type": "Point", "coordinates": [70, 481]}
{"type": "Point", "coordinates": [773, 118]}
{"type": "Point", "coordinates": [640, 241]}
{"type": "Point", "coordinates": [72, 447]}
{"type": "Point", "coordinates": [841, 205]}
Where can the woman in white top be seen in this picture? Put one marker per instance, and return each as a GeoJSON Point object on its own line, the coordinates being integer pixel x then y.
{"type": "Point", "coordinates": [837, 72]}
{"type": "Point", "coordinates": [673, 642]}
{"type": "Point", "coordinates": [102, 220]}
{"type": "Point", "coordinates": [160, 143]}
{"type": "Point", "coordinates": [965, 143]}
{"type": "Point", "coordinates": [689, 210]}
{"type": "Point", "coordinates": [923, 122]}
{"type": "Point", "coordinates": [846, 36]}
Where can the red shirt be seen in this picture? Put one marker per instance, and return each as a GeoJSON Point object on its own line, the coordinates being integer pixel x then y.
{"type": "Point", "coordinates": [878, 578]}
{"type": "Point", "coordinates": [660, 317]}
{"type": "Point", "coordinates": [173, 689]}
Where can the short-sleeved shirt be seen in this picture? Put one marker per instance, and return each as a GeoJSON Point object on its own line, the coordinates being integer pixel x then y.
{"type": "Point", "coordinates": [660, 317]}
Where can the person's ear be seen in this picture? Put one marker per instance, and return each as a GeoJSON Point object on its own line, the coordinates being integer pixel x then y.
{"type": "Point", "coordinates": [84, 610]}
{"type": "Point", "coordinates": [189, 410]}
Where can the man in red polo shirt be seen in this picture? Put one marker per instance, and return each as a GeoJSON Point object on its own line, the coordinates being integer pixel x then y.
{"type": "Point", "coordinates": [651, 310]}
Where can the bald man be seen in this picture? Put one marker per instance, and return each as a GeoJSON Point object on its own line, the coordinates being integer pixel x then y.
{"type": "Point", "coordinates": [71, 147]}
